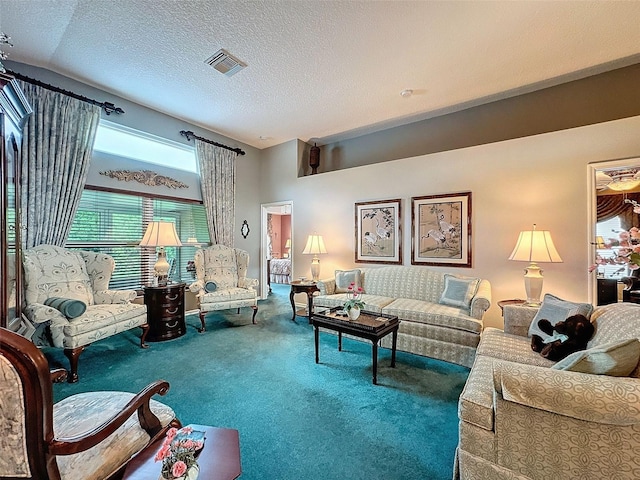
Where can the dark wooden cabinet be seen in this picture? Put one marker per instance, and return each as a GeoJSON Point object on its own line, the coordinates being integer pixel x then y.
{"type": "Point", "coordinates": [14, 113]}
{"type": "Point", "coordinates": [165, 312]}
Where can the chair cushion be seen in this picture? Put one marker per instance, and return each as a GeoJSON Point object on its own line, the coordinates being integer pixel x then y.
{"type": "Point", "coordinates": [614, 359]}
{"type": "Point", "coordinates": [104, 316]}
{"type": "Point", "coordinates": [78, 414]}
{"type": "Point", "coordinates": [228, 294]}
{"type": "Point", "coordinates": [557, 310]}
{"type": "Point", "coordinates": [14, 459]}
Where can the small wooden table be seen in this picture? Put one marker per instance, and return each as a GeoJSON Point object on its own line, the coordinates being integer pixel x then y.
{"type": "Point", "coordinates": [369, 325]}
{"type": "Point", "coordinates": [219, 458]}
{"type": "Point", "coordinates": [165, 311]}
{"type": "Point", "coordinates": [309, 288]}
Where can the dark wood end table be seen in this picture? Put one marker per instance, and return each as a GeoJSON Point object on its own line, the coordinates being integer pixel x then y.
{"type": "Point", "coordinates": [303, 287]}
{"type": "Point", "coordinates": [165, 311]}
{"type": "Point", "coordinates": [219, 458]}
{"type": "Point", "coordinates": [369, 325]}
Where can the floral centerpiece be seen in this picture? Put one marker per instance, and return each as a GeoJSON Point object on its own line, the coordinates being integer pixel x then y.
{"type": "Point", "coordinates": [178, 453]}
{"type": "Point", "coordinates": [626, 251]}
{"type": "Point", "coordinates": [354, 302]}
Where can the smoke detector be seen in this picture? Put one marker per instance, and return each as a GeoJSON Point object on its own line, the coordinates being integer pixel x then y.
{"type": "Point", "coordinates": [225, 63]}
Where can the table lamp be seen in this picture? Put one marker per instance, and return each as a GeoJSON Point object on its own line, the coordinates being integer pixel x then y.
{"type": "Point", "coordinates": [287, 245]}
{"type": "Point", "coordinates": [315, 246]}
{"type": "Point", "coordinates": [161, 234]}
{"type": "Point", "coordinates": [534, 246]}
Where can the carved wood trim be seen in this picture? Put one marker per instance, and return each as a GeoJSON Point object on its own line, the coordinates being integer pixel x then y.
{"type": "Point", "coordinates": [146, 177]}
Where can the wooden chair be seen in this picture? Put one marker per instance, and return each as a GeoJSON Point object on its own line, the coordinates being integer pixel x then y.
{"type": "Point", "coordinates": [87, 436]}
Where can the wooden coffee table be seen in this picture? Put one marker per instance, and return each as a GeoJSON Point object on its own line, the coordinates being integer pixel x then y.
{"type": "Point", "coordinates": [219, 458]}
{"type": "Point", "coordinates": [369, 325]}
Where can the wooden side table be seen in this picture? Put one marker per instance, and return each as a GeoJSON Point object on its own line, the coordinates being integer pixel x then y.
{"type": "Point", "coordinates": [219, 458]}
{"type": "Point", "coordinates": [303, 287]}
{"type": "Point", "coordinates": [165, 312]}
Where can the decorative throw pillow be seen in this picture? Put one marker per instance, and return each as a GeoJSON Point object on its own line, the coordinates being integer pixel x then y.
{"type": "Point", "coordinates": [614, 359]}
{"type": "Point", "coordinates": [210, 287]}
{"type": "Point", "coordinates": [69, 307]}
{"type": "Point", "coordinates": [344, 278]}
{"type": "Point", "coordinates": [458, 292]}
{"type": "Point", "coordinates": [557, 310]}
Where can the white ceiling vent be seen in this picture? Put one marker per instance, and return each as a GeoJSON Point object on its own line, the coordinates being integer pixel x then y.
{"type": "Point", "coordinates": [225, 63]}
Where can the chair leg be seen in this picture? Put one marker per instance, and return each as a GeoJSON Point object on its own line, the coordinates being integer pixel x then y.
{"type": "Point", "coordinates": [255, 310]}
{"type": "Point", "coordinates": [145, 330]}
{"type": "Point", "coordinates": [238, 312]}
{"type": "Point", "coordinates": [72, 354]}
{"type": "Point", "coordinates": [202, 314]}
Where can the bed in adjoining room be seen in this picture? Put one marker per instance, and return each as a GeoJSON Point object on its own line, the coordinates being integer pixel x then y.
{"type": "Point", "coordinates": [279, 270]}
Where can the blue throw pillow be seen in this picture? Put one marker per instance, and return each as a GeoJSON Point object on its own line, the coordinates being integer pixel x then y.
{"type": "Point", "coordinates": [458, 292]}
{"type": "Point", "coordinates": [557, 310]}
{"type": "Point", "coordinates": [69, 307]}
{"type": "Point", "coordinates": [210, 287]}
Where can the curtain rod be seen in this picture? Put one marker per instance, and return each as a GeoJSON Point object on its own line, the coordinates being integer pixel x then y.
{"type": "Point", "coordinates": [106, 106]}
{"type": "Point", "coordinates": [189, 134]}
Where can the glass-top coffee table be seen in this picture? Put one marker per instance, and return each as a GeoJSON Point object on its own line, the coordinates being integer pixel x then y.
{"type": "Point", "coordinates": [369, 325]}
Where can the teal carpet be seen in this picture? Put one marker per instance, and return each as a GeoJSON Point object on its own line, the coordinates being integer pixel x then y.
{"type": "Point", "coordinates": [297, 420]}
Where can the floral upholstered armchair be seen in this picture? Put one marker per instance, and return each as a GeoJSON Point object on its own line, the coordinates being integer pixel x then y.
{"type": "Point", "coordinates": [222, 281]}
{"type": "Point", "coordinates": [86, 436]}
{"type": "Point", "coordinates": [68, 300]}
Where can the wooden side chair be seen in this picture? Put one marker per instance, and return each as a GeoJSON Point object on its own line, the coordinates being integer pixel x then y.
{"type": "Point", "coordinates": [87, 436]}
{"type": "Point", "coordinates": [222, 281]}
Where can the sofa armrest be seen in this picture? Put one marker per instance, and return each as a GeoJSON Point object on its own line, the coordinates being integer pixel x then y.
{"type": "Point", "coordinates": [327, 286]}
{"type": "Point", "coordinates": [517, 319]}
{"type": "Point", "coordinates": [106, 297]}
{"type": "Point", "coordinates": [592, 398]}
{"type": "Point", "coordinates": [481, 301]}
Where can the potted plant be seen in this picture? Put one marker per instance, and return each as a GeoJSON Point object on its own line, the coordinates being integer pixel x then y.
{"type": "Point", "coordinates": [354, 302]}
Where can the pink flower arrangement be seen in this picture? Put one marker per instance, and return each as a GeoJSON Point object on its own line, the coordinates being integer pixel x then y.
{"type": "Point", "coordinates": [354, 297]}
{"type": "Point", "coordinates": [177, 452]}
{"type": "Point", "coordinates": [626, 250]}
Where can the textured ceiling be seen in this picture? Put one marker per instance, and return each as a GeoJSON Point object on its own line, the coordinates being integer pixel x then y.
{"type": "Point", "coordinates": [319, 70]}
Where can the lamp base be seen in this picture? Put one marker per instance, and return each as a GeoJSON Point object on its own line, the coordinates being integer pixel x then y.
{"type": "Point", "coordinates": [161, 268]}
{"type": "Point", "coordinates": [315, 269]}
{"type": "Point", "coordinates": [533, 284]}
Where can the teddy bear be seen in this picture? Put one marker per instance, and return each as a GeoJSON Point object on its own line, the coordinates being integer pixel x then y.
{"type": "Point", "coordinates": [571, 335]}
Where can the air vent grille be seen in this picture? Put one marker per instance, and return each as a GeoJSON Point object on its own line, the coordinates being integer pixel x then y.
{"type": "Point", "coordinates": [225, 63]}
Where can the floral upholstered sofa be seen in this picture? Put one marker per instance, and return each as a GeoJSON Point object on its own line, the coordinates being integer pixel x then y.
{"type": "Point", "coordinates": [440, 314]}
{"type": "Point", "coordinates": [527, 418]}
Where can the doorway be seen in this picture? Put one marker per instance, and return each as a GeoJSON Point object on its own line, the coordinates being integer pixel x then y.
{"type": "Point", "coordinates": [276, 233]}
{"type": "Point", "coordinates": [614, 207]}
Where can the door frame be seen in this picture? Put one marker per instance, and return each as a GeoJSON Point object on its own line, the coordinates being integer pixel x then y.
{"type": "Point", "coordinates": [266, 208]}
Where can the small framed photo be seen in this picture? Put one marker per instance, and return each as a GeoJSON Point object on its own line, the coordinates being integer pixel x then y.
{"type": "Point", "coordinates": [378, 232]}
{"type": "Point", "coordinates": [441, 230]}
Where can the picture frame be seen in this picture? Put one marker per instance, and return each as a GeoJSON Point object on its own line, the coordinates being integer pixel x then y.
{"type": "Point", "coordinates": [441, 230]}
{"type": "Point", "coordinates": [378, 228]}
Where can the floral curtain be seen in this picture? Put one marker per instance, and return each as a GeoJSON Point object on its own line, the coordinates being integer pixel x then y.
{"type": "Point", "coordinates": [218, 184]}
{"type": "Point", "coordinates": [56, 150]}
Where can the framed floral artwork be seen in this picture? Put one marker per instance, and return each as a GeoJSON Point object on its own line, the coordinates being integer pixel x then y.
{"type": "Point", "coordinates": [378, 232]}
{"type": "Point", "coordinates": [441, 230]}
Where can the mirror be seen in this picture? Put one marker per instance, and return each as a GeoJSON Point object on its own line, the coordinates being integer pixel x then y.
{"type": "Point", "coordinates": [614, 215]}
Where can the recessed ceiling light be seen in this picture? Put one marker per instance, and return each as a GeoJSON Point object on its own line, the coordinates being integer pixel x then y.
{"type": "Point", "coordinates": [263, 137]}
{"type": "Point", "coordinates": [406, 93]}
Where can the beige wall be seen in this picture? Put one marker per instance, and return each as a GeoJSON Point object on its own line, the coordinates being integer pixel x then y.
{"type": "Point", "coordinates": [539, 179]}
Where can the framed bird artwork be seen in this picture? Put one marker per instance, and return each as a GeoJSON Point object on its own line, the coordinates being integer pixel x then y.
{"type": "Point", "coordinates": [441, 230]}
{"type": "Point", "coordinates": [378, 232]}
